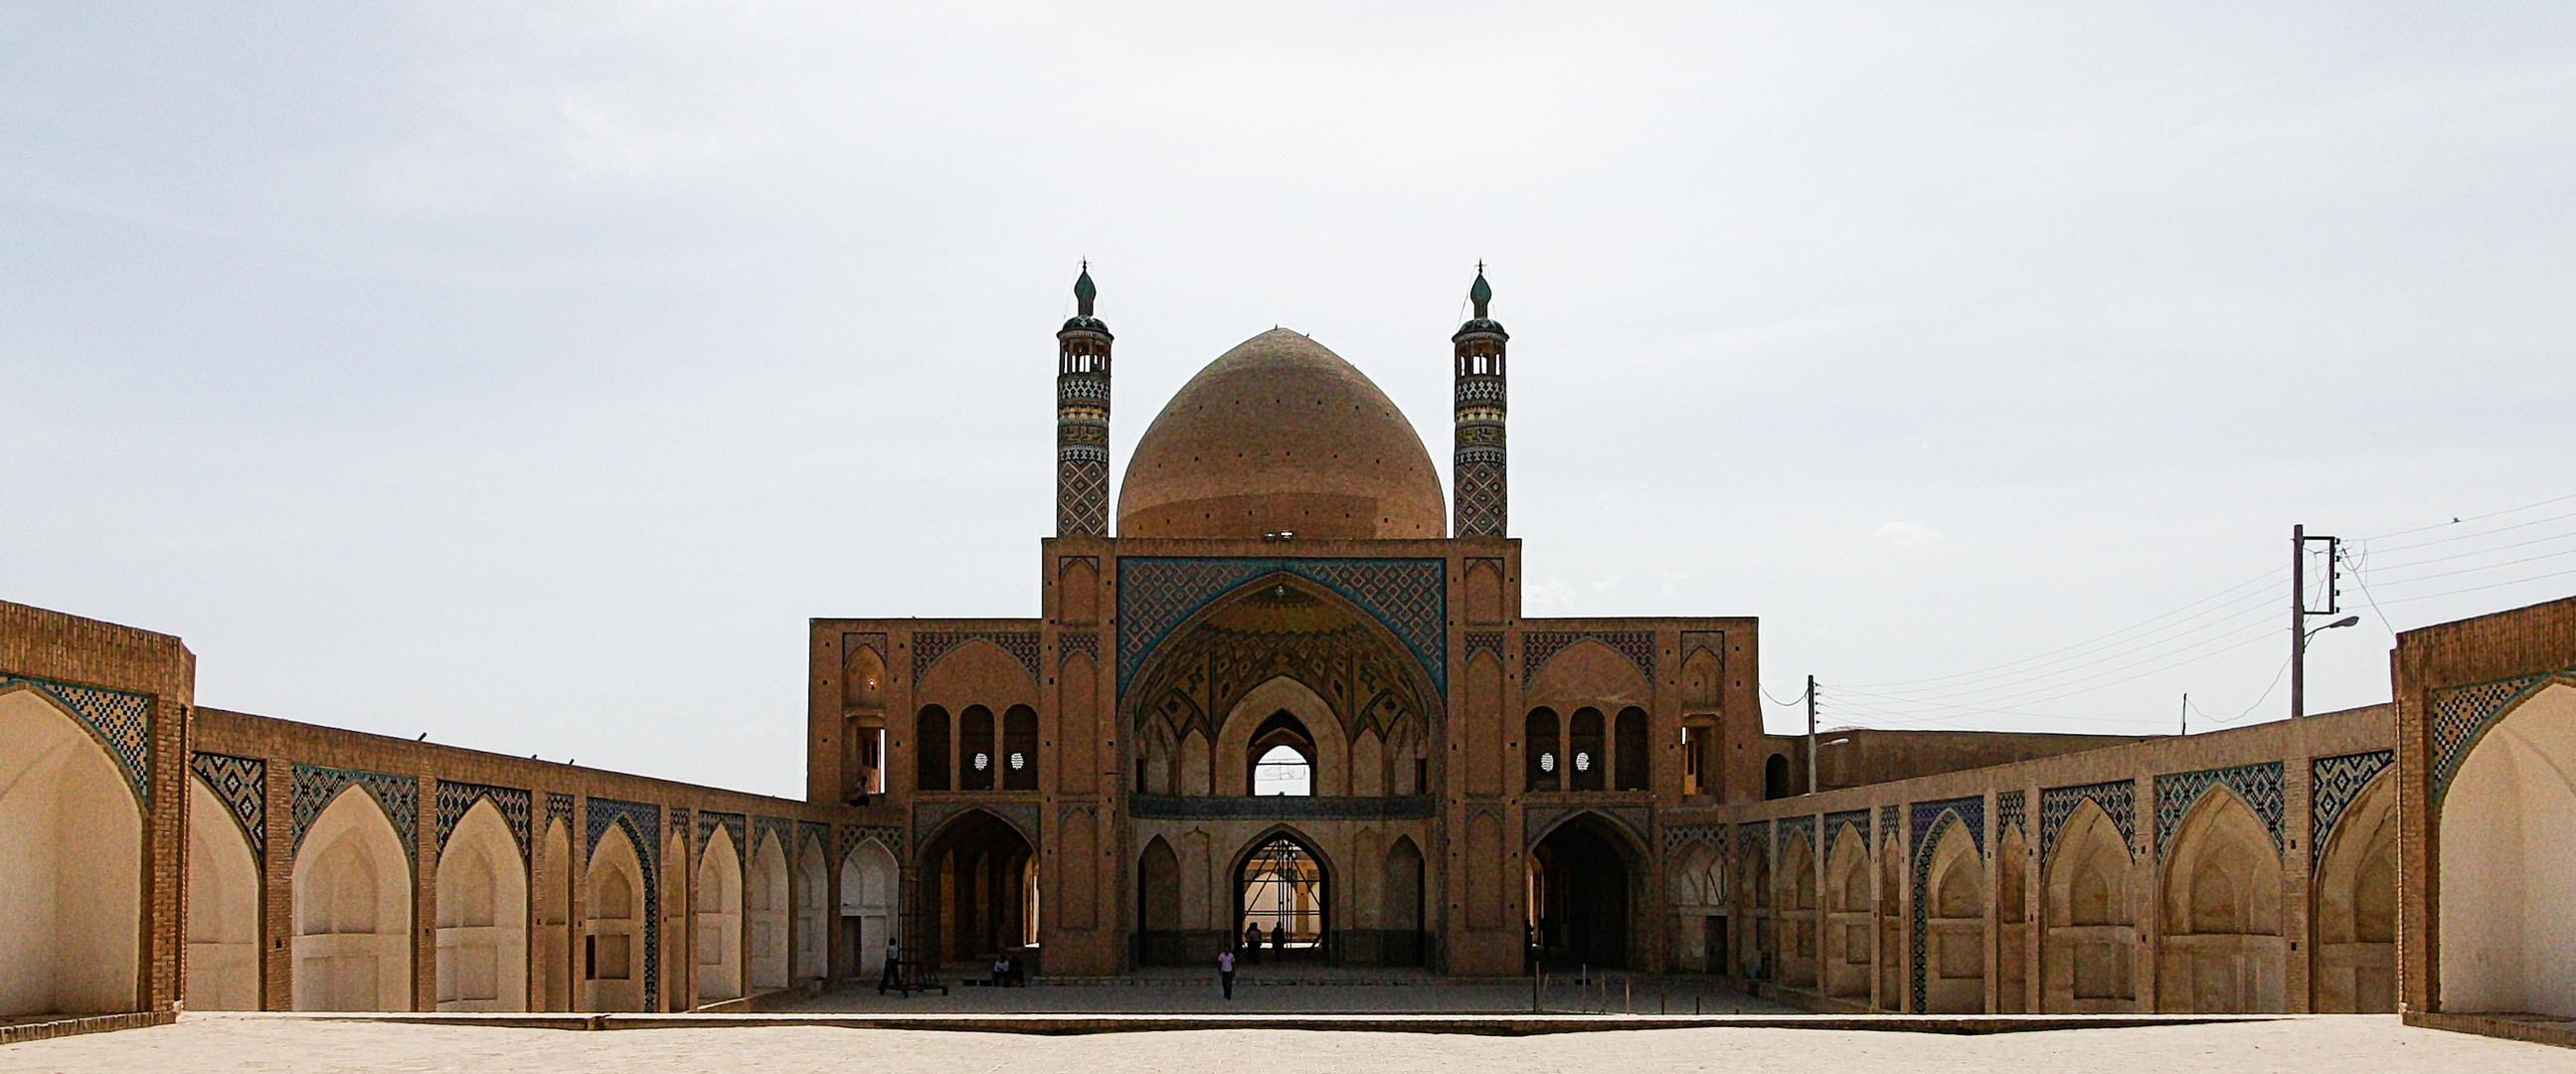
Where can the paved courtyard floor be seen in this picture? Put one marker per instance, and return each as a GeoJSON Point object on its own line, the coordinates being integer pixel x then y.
{"type": "Point", "coordinates": [2349, 1044]}
{"type": "Point", "coordinates": [1272, 990]}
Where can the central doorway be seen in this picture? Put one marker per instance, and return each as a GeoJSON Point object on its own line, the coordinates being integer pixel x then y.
{"type": "Point", "coordinates": [1578, 898]}
{"type": "Point", "coordinates": [979, 892]}
{"type": "Point", "coordinates": [1280, 902]}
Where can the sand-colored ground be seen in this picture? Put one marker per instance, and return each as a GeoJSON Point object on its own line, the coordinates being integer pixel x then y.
{"type": "Point", "coordinates": [201, 1044]}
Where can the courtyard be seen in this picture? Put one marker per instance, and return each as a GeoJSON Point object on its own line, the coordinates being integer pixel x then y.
{"type": "Point", "coordinates": [258, 1042]}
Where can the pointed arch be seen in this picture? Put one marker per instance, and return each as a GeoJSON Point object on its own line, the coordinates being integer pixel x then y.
{"type": "Point", "coordinates": [1797, 910]}
{"type": "Point", "coordinates": [675, 877]}
{"type": "Point", "coordinates": [1400, 903]}
{"type": "Point", "coordinates": [1891, 919]}
{"type": "Point", "coordinates": [2222, 951]}
{"type": "Point", "coordinates": [765, 898]}
{"type": "Point", "coordinates": [1586, 873]}
{"type": "Point", "coordinates": [718, 923]}
{"type": "Point", "coordinates": [811, 896]}
{"type": "Point", "coordinates": [1847, 904]}
{"type": "Point", "coordinates": [1284, 884]}
{"type": "Point", "coordinates": [2504, 924]}
{"type": "Point", "coordinates": [612, 956]}
{"type": "Point", "coordinates": [71, 850]}
{"type": "Point", "coordinates": [2354, 969]}
{"type": "Point", "coordinates": [869, 877]}
{"type": "Point", "coordinates": [1252, 718]}
{"type": "Point", "coordinates": [482, 915]}
{"type": "Point", "coordinates": [2089, 916]}
{"type": "Point", "coordinates": [223, 906]}
{"type": "Point", "coordinates": [2012, 922]}
{"type": "Point", "coordinates": [554, 914]}
{"type": "Point", "coordinates": [1954, 922]}
{"type": "Point", "coordinates": [352, 910]}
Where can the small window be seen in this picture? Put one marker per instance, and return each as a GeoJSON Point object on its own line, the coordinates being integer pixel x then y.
{"type": "Point", "coordinates": [1283, 771]}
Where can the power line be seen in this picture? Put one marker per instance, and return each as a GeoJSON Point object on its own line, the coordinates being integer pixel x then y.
{"type": "Point", "coordinates": [2098, 642]}
{"type": "Point", "coordinates": [2479, 588]}
{"type": "Point", "coordinates": [2480, 533]}
{"type": "Point", "coordinates": [2485, 567]}
{"type": "Point", "coordinates": [2474, 552]}
{"type": "Point", "coordinates": [2472, 518]}
{"type": "Point", "coordinates": [2068, 687]}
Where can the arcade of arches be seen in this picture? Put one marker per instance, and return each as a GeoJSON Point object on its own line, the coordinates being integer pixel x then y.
{"type": "Point", "coordinates": [1295, 695]}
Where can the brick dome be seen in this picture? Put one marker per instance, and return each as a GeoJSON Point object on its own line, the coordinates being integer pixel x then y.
{"type": "Point", "coordinates": [1280, 434]}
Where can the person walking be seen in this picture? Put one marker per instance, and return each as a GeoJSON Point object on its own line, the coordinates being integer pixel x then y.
{"type": "Point", "coordinates": [1225, 971]}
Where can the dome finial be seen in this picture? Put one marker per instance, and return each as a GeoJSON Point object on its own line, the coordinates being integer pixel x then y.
{"type": "Point", "coordinates": [1083, 291]}
{"type": "Point", "coordinates": [1481, 293]}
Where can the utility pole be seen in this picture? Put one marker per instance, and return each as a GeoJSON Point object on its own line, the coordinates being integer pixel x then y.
{"type": "Point", "coordinates": [2186, 712]}
{"type": "Point", "coordinates": [1811, 734]}
{"type": "Point", "coordinates": [2299, 610]}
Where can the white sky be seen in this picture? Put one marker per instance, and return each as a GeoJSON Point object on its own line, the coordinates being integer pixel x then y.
{"type": "Point", "coordinates": [528, 374]}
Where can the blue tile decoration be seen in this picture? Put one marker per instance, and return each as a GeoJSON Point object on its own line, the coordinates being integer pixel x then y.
{"type": "Point", "coordinates": [1677, 836]}
{"type": "Point", "coordinates": [1859, 821]}
{"type": "Point", "coordinates": [680, 823]}
{"type": "Point", "coordinates": [2117, 798]}
{"type": "Point", "coordinates": [735, 825]}
{"type": "Point", "coordinates": [399, 796]}
{"type": "Point", "coordinates": [2258, 785]}
{"type": "Point", "coordinates": [558, 807]}
{"type": "Point", "coordinates": [643, 824]}
{"type": "Point", "coordinates": [1538, 647]}
{"type": "Point", "coordinates": [241, 783]}
{"type": "Point", "coordinates": [929, 646]}
{"type": "Point", "coordinates": [1086, 642]}
{"type": "Point", "coordinates": [2334, 783]}
{"type": "Point", "coordinates": [1752, 844]}
{"type": "Point", "coordinates": [455, 798]}
{"type": "Point", "coordinates": [2462, 714]}
{"type": "Point", "coordinates": [1482, 641]}
{"type": "Point", "coordinates": [2011, 811]}
{"type": "Point", "coordinates": [1410, 597]}
{"type": "Point", "coordinates": [781, 827]}
{"type": "Point", "coordinates": [1802, 826]}
{"type": "Point", "coordinates": [1930, 821]}
{"type": "Point", "coordinates": [1890, 817]}
{"type": "Point", "coordinates": [891, 835]}
{"type": "Point", "coordinates": [820, 833]}
{"type": "Point", "coordinates": [121, 719]}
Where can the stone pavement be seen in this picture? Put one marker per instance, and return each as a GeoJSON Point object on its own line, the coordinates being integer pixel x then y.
{"type": "Point", "coordinates": [1304, 990]}
{"type": "Point", "coordinates": [222, 1043]}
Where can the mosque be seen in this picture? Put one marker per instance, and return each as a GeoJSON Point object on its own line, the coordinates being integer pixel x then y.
{"type": "Point", "coordinates": [1290, 703]}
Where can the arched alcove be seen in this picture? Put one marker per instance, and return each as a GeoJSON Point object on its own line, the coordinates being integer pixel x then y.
{"type": "Point", "coordinates": [612, 960]}
{"type": "Point", "coordinates": [1162, 939]}
{"type": "Point", "coordinates": [1284, 711]}
{"type": "Point", "coordinates": [975, 880]}
{"type": "Point", "coordinates": [869, 878]}
{"type": "Point", "coordinates": [352, 889]}
{"type": "Point", "coordinates": [1891, 922]}
{"type": "Point", "coordinates": [223, 907]}
{"type": "Point", "coordinates": [1847, 906]}
{"type": "Point", "coordinates": [1954, 972]}
{"type": "Point", "coordinates": [2012, 923]}
{"type": "Point", "coordinates": [71, 866]}
{"type": "Point", "coordinates": [2506, 926]}
{"type": "Point", "coordinates": [554, 914]}
{"type": "Point", "coordinates": [765, 897]}
{"type": "Point", "coordinates": [813, 896]}
{"type": "Point", "coordinates": [482, 916]}
{"type": "Point", "coordinates": [1400, 903]}
{"type": "Point", "coordinates": [1543, 752]}
{"type": "Point", "coordinates": [2354, 970]}
{"type": "Point", "coordinates": [2088, 946]}
{"type": "Point", "coordinates": [718, 924]}
{"type": "Point", "coordinates": [675, 876]}
{"type": "Point", "coordinates": [1796, 911]}
{"type": "Point", "coordinates": [2222, 950]}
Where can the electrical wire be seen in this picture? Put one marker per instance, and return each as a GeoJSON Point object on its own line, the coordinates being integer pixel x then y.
{"type": "Point", "coordinates": [2472, 518]}
{"type": "Point", "coordinates": [2093, 642]}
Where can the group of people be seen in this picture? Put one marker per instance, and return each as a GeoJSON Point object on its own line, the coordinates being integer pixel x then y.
{"type": "Point", "coordinates": [1225, 960]}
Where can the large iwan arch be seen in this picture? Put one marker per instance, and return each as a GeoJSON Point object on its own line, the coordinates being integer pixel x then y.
{"type": "Point", "coordinates": [2505, 824]}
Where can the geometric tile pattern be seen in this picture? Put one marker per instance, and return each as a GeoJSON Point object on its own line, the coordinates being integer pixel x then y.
{"type": "Point", "coordinates": [121, 719]}
{"type": "Point", "coordinates": [1637, 645]}
{"type": "Point", "coordinates": [1931, 819]}
{"type": "Point", "coordinates": [734, 823]}
{"type": "Point", "coordinates": [1085, 642]}
{"type": "Point", "coordinates": [1410, 597]}
{"type": "Point", "coordinates": [1484, 641]}
{"type": "Point", "coordinates": [1483, 496]}
{"type": "Point", "coordinates": [891, 835]}
{"type": "Point", "coordinates": [817, 831]}
{"type": "Point", "coordinates": [455, 798]}
{"type": "Point", "coordinates": [643, 824]}
{"type": "Point", "coordinates": [558, 807]}
{"type": "Point", "coordinates": [242, 784]}
{"type": "Point", "coordinates": [399, 796]}
{"type": "Point", "coordinates": [2011, 812]}
{"type": "Point", "coordinates": [1081, 496]}
{"type": "Point", "coordinates": [929, 646]}
{"type": "Point", "coordinates": [2117, 798]}
{"type": "Point", "coordinates": [779, 827]}
{"type": "Point", "coordinates": [1798, 827]}
{"type": "Point", "coordinates": [2334, 783]}
{"type": "Point", "coordinates": [680, 825]}
{"type": "Point", "coordinates": [2258, 785]}
{"type": "Point", "coordinates": [1888, 819]}
{"type": "Point", "coordinates": [2462, 713]}
{"type": "Point", "coordinates": [1678, 835]}
{"type": "Point", "coordinates": [1858, 819]}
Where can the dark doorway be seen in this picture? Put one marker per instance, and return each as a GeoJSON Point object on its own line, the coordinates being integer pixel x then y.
{"type": "Point", "coordinates": [1280, 892]}
{"type": "Point", "coordinates": [1580, 898]}
{"type": "Point", "coordinates": [1775, 777]}
{"type": "Point", "coordinates": [979, 887]}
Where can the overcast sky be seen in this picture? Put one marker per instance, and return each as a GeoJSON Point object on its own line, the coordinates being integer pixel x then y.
{"type": "Point", "coordinates": [528, 374]}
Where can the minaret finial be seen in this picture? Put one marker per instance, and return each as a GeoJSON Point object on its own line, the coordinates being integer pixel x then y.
{"type": "Point", "coordinates": [1482, 293]}
{"type": "Point", "coordinates": [1083, 291]}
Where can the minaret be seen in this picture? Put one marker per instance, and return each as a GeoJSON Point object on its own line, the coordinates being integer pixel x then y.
{"type": "Point", "coordinates": [1482, 494]}
{"type": "Point", "coordinates": [1082, 420]}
